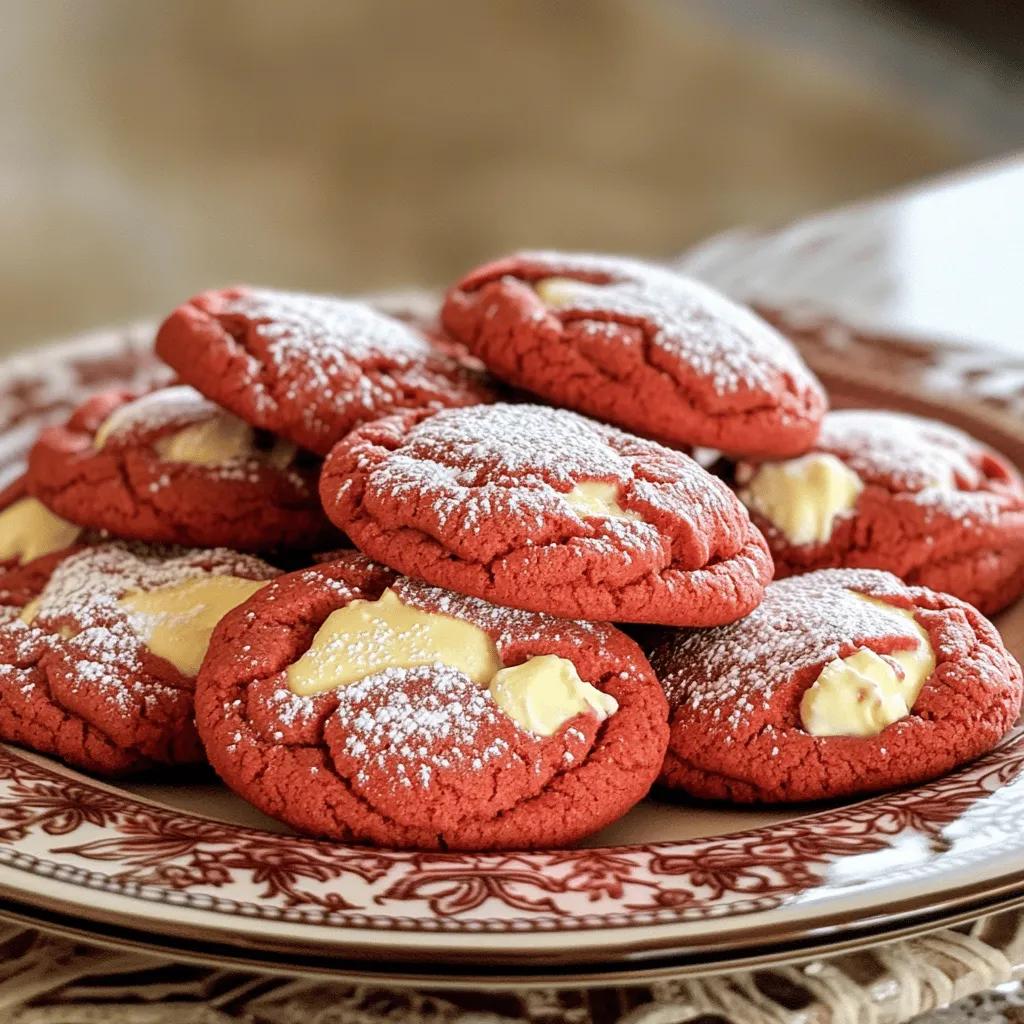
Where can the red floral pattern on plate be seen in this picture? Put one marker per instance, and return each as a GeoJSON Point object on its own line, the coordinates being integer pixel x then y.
{"type": "Point", "coordinates": [53, 820]}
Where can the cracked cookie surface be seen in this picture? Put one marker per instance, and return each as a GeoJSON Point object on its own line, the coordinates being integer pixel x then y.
{"type": "Point", "coordinates": [171, 467]}
{"type": "Point", "coordinates": [78, 678]}
{"type": "Point", "coordinates": [307, 367]}
{"type": "Point", "coordinates": [418, 754]}
{"type": "Point", "coordinates": [736, 694]}
{"type": "Point", "coordinates": [641, 347]}
{"type": "Point", "coordinates": [936, 507]}
{"type": "Point", "coordinates": [545, 510]}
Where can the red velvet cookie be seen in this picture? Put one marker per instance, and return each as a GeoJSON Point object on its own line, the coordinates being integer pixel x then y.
{"type": "Point", "coordinates": [32, 541]}
{"type": "Point", "coordinates": [416, 741]}
{"type": "Point", "coordinates": [641, 347]}
{"type": "Point", "coordinates": [791, 703]}
{"type": "Point", "coordinates": [884, 490]}
{"type": "Point", "coordinates": [542, 509]}
{"type": "Point", "coordinates": [96, 673]}
{"type": "Point", "coordinates": [173, 468]}
{"type": "Point", "coordinates": [309, 367]}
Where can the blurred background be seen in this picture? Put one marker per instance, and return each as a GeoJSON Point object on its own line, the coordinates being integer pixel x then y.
{"type": "Point", "coordinates": [150, 148]}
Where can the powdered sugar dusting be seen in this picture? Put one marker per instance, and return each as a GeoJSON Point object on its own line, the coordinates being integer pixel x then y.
{"type": "Point", "coordinates": [160, 411]}
{"type": "Point", "coordinates": [911, 453]}
{"type": "Point", "coordinates": [941, 466]}
{"type": "Point", "coordinates": [697, 328]}
{"type": "Point", "coordinates": [233, 455]}
{"type": "Point", "coordinates": [410, 737]}
{"type": "Point", "coordinates": [85, 588]}
{"type": "Point", "coordinates": [803, 621]}
{"type": "Point", "coordinates": [336, 358]}
{"type": "Point", "coordinates": [522, 444]}
{"type": "Point", "coordinates": [505, 625]}
{"type": "Point", "coordinates": [472, 466]}
{"type": "Point", "coordinates": [302, 327]}
{"type": "Point", "coordinates": [291, 708]}
{"type": "Point", "coordinates": [103, 642]}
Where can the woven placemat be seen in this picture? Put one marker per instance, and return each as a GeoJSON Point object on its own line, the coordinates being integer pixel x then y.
{"type": "Point", "coordinates": [49, 980]}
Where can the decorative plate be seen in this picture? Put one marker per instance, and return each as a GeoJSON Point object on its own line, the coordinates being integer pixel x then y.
{"type": "Point", "coordinates": [176, 859]}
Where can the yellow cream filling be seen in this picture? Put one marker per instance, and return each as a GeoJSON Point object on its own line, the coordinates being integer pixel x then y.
{"type": "Point", "coordinates": [368, 637]}
{"type": "Point", "coordinates": [863, 693]}
{"type": "Point", "coordinates": [803, 498]}
{"type": "Point", "coordinates": [216, 439]}
{"type": "Point", "coordinates": [176, 622]}
{"type": "Point", "coordinates": [598, 498]}
{"type": "Point", "coordinates": [209, 443]}
{"type": "Point", "coordinates": [28, 529]}
{"type": "Point", "coordinates": [559, 291]}
{"type": "Point", "coordinates": [545, 692]}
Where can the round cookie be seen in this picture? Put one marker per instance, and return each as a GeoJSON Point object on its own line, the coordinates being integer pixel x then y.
{"type": "Point", "coordinates": [360, 707]}
{"type": "Point", "coordinates": [32, 541]}
{"type": "Point", "coordinates": [884, 490]}
{"type": "Point", "coordinates": [309, 367]}
{"type": "Point", "coordinates": [542, 509]}
{"type": "Point", "coordinates": [98, 655]}
{"type": "Point", "coordinates": [843, 681]}
{"type": "Point", "coordinates": [641, 347]}
{"type": "Point", "coordinates": [171, 467]}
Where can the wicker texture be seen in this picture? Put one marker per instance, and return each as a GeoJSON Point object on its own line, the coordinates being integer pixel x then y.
{"type": "Point", "coordinates": [48, 980]}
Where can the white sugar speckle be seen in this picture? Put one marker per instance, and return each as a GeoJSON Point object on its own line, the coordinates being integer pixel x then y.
{"type": "Point", "coordinates": [412, 736]}
{"type": "Point", "coordinates": [695, 328]}
{"type": "Point", "coordinates": [802, 621]}
{"type": "Point", "coordinates": [315, 347]}
{"type": "Point", "coordinates": [934, 465]}
{"type": "Point", "coordinates": [476, 477]}
{"type": "Point", "coordinates": [106, 641]}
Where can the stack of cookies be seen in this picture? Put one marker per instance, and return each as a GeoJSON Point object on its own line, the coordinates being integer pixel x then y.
{"type": "Point", "coordinates": [531, 549]}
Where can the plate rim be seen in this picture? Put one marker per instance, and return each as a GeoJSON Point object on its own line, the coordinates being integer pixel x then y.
{"type": "Point", "coordinates": [114, 897]}
{"type": "Point", "coordinates": [471, 974]}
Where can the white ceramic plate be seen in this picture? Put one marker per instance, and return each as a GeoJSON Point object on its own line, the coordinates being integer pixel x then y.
{"type": "Point", "coordinates": [176, 859]}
